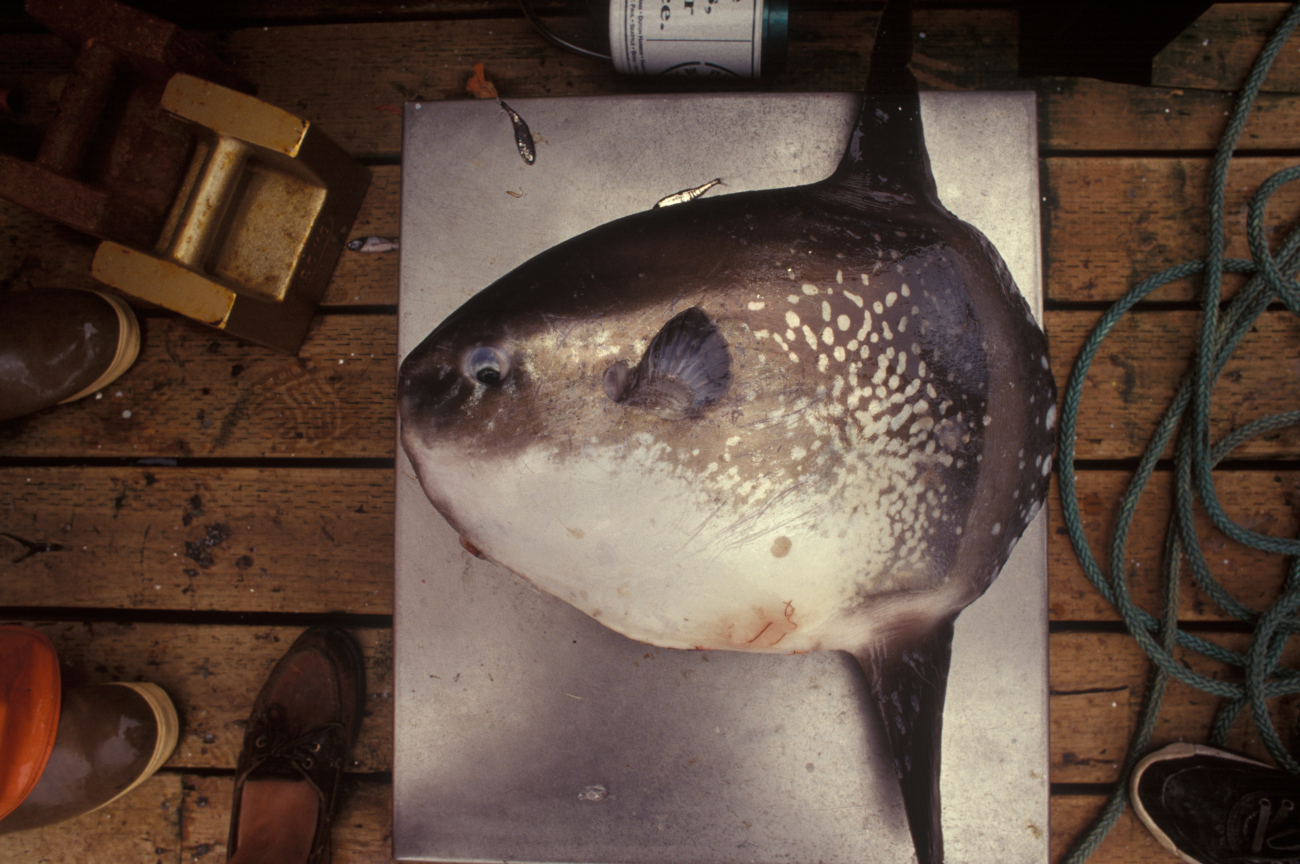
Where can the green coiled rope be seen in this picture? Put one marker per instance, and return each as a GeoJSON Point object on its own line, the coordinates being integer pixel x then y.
{"type": "Point", "coordinates": [1272, 279]}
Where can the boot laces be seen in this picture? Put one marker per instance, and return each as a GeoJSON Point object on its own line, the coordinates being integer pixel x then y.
{"type": "Point", "coordinates": [1273, 830]}
{"type": "Point", "coordinates": [274, 741]}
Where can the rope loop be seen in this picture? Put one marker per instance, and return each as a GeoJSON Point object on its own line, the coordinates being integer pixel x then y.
{"type": "Point", "coordinates": [1186, 423]}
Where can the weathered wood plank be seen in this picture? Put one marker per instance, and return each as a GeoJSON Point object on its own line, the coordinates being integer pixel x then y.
{"type": "Point", "coordinates": [312, 540]}
{"type": "Point", "coordinates": [1098, 682]}
{"type": "Point", "coordinates": [1139, 366]}
{"type": "Point", "coordinates": [143, 825]}
{"type": "Point", "coordinates": [351, 78]}
{"type": "Point", "coordinates": [248, 539]}
{"type": "Point", "coordinates": [1107, 224]}
{"type": "Point", "coordinates": [362, 823]}
{"type": "Point", "coordinates": [1218, 50]}
{"type": "Point", "coordinates": [1261, 501]}
{"type": "Point", "coordinates": [197, 392]}
{"type": "Point", "coordinates": [370, 278]}
{"type": "Point", "coordinates": [1110, 223]}
{"type": "Point", "coordinates": [213, 674]}
{"type": "Point", "coordinates": [1129, 842]}
{"type": "Point", "coordinates": [350, 84]}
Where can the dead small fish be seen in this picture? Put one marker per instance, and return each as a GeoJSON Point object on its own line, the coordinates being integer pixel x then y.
{"type": "Point", "coordinates": [523, 137]}
{"type": "Point", "coordinates": [687, 194]}
{"type": "Point", "coordinates": [373, 244]}
{"type": "Point", "coordinates": [802, 419]}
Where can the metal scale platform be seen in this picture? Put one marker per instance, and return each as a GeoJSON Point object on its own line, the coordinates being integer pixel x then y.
{"type": "Point", "coordinates": [527, 732]}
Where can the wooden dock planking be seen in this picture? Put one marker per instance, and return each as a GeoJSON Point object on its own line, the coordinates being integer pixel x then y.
{"type": "Point", "coordinates": [144, 825]}
{"type": "Point", "coordinates": [1123, 174]}
{"type": "Point", "coordinates": [299, 540]}
{"type": "Point", "coordinates": [1108, 223]}
{"type": "Point", "coordinates": [348, 76]}
{"type": "Point", "coordinates": [284, 540]}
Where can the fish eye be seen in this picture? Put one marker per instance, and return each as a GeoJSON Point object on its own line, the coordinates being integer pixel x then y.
{"type": "Point", "coordinates": [487, 365]}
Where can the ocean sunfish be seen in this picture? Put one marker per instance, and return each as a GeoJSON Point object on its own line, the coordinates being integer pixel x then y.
{"type": "Point", "coordinates": [802, 419]}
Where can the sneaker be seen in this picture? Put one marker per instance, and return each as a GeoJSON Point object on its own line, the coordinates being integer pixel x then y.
{"type": "Point", "coordinates": [61, 344]}
{"type": "Point", "coordinates": [1211, 807]}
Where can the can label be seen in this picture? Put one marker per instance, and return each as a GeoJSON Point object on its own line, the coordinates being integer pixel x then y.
{"type": "Point", "coordinates": [687, 37]}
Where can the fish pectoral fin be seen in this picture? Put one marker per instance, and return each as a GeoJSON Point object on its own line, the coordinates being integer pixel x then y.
{"type": "Point", "coordinates": [908, 679]}
{"type": "Point", "coordinates": [685, 369]}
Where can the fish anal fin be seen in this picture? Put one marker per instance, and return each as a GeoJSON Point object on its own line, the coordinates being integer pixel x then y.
{"type": "Point", "coordinates": [685, 369]}
{"type": "Point", "coordinates": [908, 680]}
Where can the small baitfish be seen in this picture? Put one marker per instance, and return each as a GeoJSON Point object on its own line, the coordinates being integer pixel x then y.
{"type": "Point", "coordinates": [803, 419]}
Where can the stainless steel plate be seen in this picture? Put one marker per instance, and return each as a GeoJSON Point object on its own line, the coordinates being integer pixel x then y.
{"type": "Point", "coordinates": [525, 731]}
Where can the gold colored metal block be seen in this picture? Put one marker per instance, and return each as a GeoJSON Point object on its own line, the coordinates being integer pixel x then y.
{"type": "Point", "coordinates": [261, 218]}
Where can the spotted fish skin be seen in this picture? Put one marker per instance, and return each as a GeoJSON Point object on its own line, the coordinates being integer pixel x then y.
{"type": "Point", "coordinates": [814, 418]}
{"type": "Point", "coordinates": [885, 377]}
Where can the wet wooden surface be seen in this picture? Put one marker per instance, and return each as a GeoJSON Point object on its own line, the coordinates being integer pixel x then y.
{"type": "Point", "coordinates": [186, 523]}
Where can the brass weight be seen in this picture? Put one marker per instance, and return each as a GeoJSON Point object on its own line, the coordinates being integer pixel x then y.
{"type": "Point", "coordinates": [260, 220]}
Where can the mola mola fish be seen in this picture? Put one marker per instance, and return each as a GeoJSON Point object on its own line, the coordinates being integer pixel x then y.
{"type": "Point", "coordinates": [802, 419]}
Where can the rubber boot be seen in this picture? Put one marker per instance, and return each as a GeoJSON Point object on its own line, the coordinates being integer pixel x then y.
{"type": "Point", "coordinates": [58, 345]}
{"type": "Point", "coordinates": [110, 738]}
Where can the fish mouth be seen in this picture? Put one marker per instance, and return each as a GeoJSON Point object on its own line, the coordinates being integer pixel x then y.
{"type": "Point", "coordinates": [429, 385]}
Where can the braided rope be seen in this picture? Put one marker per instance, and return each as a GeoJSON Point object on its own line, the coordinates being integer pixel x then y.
{"type": "Point", "coordinates": [1272, 279]}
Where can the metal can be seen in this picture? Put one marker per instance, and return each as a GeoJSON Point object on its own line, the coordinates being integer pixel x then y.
{"type": "Point", "coordinates": [722, 38]}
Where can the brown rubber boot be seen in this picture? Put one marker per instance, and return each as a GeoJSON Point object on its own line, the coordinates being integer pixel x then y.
{"type": "Point", "coordinates": [68, 750]}
{"type": "Point", "coordinates": [61, 344]}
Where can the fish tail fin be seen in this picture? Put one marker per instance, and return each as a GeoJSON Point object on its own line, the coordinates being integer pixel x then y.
{"type": "Point", "coordinates": [886, 154]}
{"type": "Point", "coordinates": [892, 51]}
{"type": "Point", "coordinates": [908, 678]}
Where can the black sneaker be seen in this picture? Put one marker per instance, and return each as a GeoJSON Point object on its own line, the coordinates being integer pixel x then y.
{"type": "Point", "coordinates": [1211, 807]}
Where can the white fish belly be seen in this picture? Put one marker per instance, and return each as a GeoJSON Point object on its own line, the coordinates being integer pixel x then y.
{"type": "Point", "coordinates": [673, 556]}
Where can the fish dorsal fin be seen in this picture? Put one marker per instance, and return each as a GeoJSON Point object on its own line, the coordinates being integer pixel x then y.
{"type": "Point", "coordinates": [685, 369]}
{"type": "Point", "coordinates": [886, 156]}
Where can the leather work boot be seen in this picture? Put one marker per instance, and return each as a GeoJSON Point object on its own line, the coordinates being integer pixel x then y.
{"type": "Point", "coordinates": [303, 724]}
{"type": "Point", "coordinates": [110, 738]}
{"type": "Point", "coordinates": [61, 344]}
{"type": "Point", "coordinates": [1208, 806]}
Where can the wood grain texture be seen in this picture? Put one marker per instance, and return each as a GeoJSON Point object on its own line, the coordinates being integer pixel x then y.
{"type": "Point", "coordinates": [1137, 370]}
{"type": "Point", "coordinates": [1110, 223]}
{"type": "Point", "coordinates": [1261, 501]}
{"type": "Point", "coordinates": [1128, 843]}
{"type": "Point", "coordinates": [963, 49]}
{"type": "Point", "coordinates": [143, 825]}
{"type": "Point", "coordinates": [213, 673]}
{"type": "Point", "coordinates": [1098, 684]}
{"type": "Point", "coordinates": [237, 539]}
{"type": "Point", "coordinates": [351, 77]}
{"type": "Point", "coordinates": [1218, 50]}
{"type": "Point", "coordinates": [37, 252]}
{"type": "Point", "coordinates": [198, 392]}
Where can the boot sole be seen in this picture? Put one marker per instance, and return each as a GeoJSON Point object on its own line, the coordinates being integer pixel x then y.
{"type": "Point", "coordinates": [168, 724]}
{"type": "Point", "coordinates": [128, 347]}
